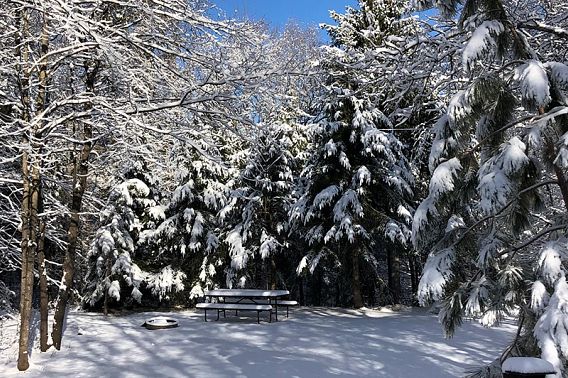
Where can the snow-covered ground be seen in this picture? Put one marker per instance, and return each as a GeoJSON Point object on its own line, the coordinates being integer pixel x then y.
{"type": "Point", "coordinates": [313, 342]}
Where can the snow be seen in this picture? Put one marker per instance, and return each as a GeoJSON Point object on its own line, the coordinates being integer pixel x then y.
{"type": "Point", "coordinates": [325, 197]}
{"type": "Point", "coordinates": [495, 183]}
{"type": "Point", "coordinates": [533, 82]}
{"type": "Point", "coordinates": [551, 329]}
{"type": "Point", "coordinates": [539, 296]}
{"type": "Point", "coordinates": [550, 261]}
{"type": "Point", "coordinates": [247, 293]}
{"type": "Point", "coordinates": [442, 183]}
{"type": "Point", "coordinates": [442, 180]}
{"type": "Point", "coordinates": [527, 365]}
{"type": "Point", "coordinates": [482, 42]}
{"type": "Point", "coordinates": [437, 271]}
{"type": "Point", "coordinates": [302, 265]}
{"type": "Point", "coordinates": [346, 205]}
{"type": "Point", "coordinates": [312, 342]}
{"type": "Point", "coordinates": [165, 281]}
{"type": "Point", "coordinates": [157, 212]}
{"type": "Point", "coordinates": [159, 320]}
{"type": "Point", "coordinates": [558, 73]}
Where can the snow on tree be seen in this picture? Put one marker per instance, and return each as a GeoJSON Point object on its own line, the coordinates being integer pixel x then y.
{"type": "Point", "coordinates": [496, 159]}
{"type": "Point", "coordinates": [359, 182]}
{"type": "Point", "coordinates": [112, 272]}
{"type": "Point", "coordinates": [257, 211]}
{"type": "Point", "coordinates": [86, 78]}
{"type": "Point", "coordinates": [194, 66]}
{"type": "Point", "coordinates": [187, 236]}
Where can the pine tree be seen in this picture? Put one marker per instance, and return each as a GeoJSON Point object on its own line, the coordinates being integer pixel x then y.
{"type": "Point", "coordinates": [188, 235]}
{"type": "Point", "coordinates": [499, 145]}
{"type": "Point", "coordinates": [258, 210]}
{"type": "Point", "coordinates": [359, 181]}
{"type": "Point", "coordinates": [112, 272]}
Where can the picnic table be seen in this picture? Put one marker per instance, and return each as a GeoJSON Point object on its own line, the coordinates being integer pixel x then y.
{"type": "Point", "coordinates": [244, 299]}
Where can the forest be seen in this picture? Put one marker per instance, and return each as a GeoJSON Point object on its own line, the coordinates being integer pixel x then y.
{"type": "Point", "coordinates": [151, 150]}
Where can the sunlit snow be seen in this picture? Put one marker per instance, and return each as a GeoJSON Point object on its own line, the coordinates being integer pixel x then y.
{"type": "Point", "coordinates": [312, 342]}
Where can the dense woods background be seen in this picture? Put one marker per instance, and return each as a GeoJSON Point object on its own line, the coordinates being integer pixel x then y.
{"type": "Point", "coordinates": [151, 150]}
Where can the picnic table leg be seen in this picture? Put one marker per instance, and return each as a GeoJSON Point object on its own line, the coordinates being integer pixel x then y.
{"type": "Point", "coordinates": [287, 307]}
{"type": "Point", "coordinates": [258, 317]}
{"type": "Point", "coordinates": [205, 314]}
{"type": "Point", "coordinates": [218, 311]}
{"type": "Point", "coordinates": [276, 306]}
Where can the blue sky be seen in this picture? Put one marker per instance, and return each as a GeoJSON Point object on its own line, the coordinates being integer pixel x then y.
{"type": "Point", "coordinates": [278, 12]}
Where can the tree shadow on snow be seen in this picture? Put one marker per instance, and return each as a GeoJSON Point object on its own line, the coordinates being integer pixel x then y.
{"type": "Point", "coordinates": [313, 342]}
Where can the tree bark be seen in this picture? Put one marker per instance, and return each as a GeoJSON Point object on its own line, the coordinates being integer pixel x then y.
{"type": "Point", "coordinates": [316, 287]}
{"type": "Point", "coordinates": [30, 180]}
{"type": "Point", "coordinates": [43, 296]}
{"type": "Point", "coordinates": [414, 275]}
{"type": "Point", "coordinates": [393, 263]}
{"type": "Point", "coordinates": [41, 103]}
{"type": "Point", "coordinates": [273, 274]}
{"type": "Point", "coordinates": [563, 183]}
{"type": "Point", "coordinates": [301, 291]}
{"type": "Point", "coordinates": [80, 172]}
{"type": "Point", "coordinates": [108, 274]}
{"type": "Point", "coordinates": [356, 280]}
{"type": "Point", "coordinates": [79, 184]}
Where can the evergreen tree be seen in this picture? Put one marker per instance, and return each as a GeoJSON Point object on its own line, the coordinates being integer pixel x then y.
{"type": "Point", "coordinates": [188, 235]}
{"type": "Point", "coordinates": [111, 267]}
{"type": "Point", "coordinates": [359, 181]}
{"type": "Point", "coordinates": [258, 209]}
{"type": "Point", "coordinates": [501, 143]}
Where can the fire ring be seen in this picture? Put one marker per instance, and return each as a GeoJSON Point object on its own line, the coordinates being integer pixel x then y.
{"type": "Point", "coordinates": [160, 323]}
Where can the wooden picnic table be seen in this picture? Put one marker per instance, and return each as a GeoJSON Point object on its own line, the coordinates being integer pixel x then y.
{"type": "Point", "coordinates": [249, 295]}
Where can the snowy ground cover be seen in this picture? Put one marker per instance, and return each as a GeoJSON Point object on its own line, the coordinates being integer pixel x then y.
{"type": "Point", "coordinates": [313, 342]}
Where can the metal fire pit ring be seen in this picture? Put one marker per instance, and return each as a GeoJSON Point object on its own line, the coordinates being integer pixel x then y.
{"type": "Point", "coordinates": [160, 323]}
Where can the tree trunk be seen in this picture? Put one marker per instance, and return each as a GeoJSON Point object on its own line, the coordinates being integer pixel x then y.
{"type": "Point", "coordinates": [28, 257]}
{"type": "Point", "coordinates": [30, 180]}
{"type": "Point", "coordinates": [108, 274]}
{"type": "Point", "coordinates": [562, 182]}
{"type": "Point", "coordinates": [356, 280]}
{"type": "Point", "coordinates": [301, 289]}
{"type": "Point", "coordinates": [316, 288]}
{"type": "Point", "coordinates": [41, 103]}
{"type": "Point", "coordinates": [43, 296]}
{"type": "Point", "coordinates": [273, 274]}
{"type": "Point", "coordinates": [393, 263]}
{"type": "Point", "coordinates": [80, 172]}
{"type": "Point", "coordinates": [414, 275]}
{"type": "Point", "coordinates": [30, 232]}
{"type": "Point", "coordinates": [79, 183]}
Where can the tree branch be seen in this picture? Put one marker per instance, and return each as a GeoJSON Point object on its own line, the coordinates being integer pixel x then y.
{"type": "Point", "coordinates": [540, 26]}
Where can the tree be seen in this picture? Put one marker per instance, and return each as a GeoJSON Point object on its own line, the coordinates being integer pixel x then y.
{"type": "Point", "coordinates": [359, 182]}
{"type": "Point", "coordinates": [497, 151]}
{"type": "Point", "coordinates": [111, 267]}
{"type": "Point", "coordinates": [188, 235]}
{"type": "Point", "coordinates": [259, 205]}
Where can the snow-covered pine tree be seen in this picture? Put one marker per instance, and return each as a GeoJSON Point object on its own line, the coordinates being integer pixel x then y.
{"type": "Point", "coordinates": [188, 235]}
{"type": "Point", "coordinates": [112, 273]}
{"type": "Point", "coordinates": [500, 147]}
{"type": "Point", "coordinates": [359, 182]}
{"type": "Point", "coordinates": [257, 214]}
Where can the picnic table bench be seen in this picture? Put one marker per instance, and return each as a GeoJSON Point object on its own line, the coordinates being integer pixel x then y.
{"type": "Point", "coordinates": [281, 303]}
{"type": "Point", "coordinates": [246, 300]}
{"type": "Point", "coordinates": [235, 306]}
